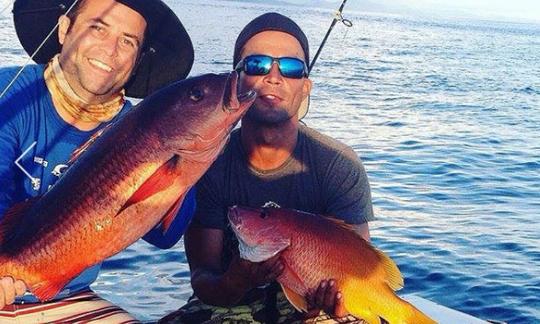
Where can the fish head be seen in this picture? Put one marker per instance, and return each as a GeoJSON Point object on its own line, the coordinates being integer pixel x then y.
{"type": "Point", "coordinates": [196, 115]}
{"type": "Point", "coordinates": [261, 232]}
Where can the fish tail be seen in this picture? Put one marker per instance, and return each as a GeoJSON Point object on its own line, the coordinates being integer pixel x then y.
{"type": "Point", "coordinates": [413, 315]}
{"type": "Point", "coordinates": [393, 310]}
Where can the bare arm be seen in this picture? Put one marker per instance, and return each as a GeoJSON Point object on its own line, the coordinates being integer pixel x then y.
{"type": "Point", "coordinates": [213, 285]}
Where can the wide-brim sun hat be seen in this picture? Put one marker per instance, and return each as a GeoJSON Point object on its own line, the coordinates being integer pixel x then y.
{"type": "Point", "coordinates": [167, 54]}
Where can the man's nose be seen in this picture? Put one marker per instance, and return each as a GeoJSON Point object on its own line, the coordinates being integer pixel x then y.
{"type": "Point", "coordinates": [274, 76]}
{"type": "Point", "coordinates": [110, 45]}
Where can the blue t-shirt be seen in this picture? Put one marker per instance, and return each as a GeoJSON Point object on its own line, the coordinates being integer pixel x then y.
{"type": "Point", "coordinates": [35, 145]}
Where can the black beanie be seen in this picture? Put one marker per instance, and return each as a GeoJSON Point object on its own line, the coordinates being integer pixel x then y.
{"type": "Point", "coordinates": [270, 21]}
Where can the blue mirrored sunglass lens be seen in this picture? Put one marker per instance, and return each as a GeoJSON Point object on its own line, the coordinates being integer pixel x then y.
{"type": "Point", "coordinates": [257, 64]}
{"type": "Point", "coordinates": [291, 67]}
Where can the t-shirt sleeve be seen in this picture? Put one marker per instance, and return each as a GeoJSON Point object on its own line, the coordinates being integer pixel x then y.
{"type": "Point", "coordinates": [211, 209]}
{"type": "Point", "coordinates": [10, 105]}
{"type": "Point", "coordinates": [8, 149]}
{"type": "Point", "coordinates": [348, 195]}
{"type": "Point", "coordinates": [178, 226]}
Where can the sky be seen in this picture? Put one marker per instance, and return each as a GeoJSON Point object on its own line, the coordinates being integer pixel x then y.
{"type": "Point", "coordinates": [517, 9]}
{"type": "Point", "coordinates": [514, 10]}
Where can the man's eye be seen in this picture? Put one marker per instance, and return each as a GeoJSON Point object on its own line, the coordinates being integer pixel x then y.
{"type": "Point", "coordinates": [97, 28]}
{"type": "Point", "coordinates": [128, 42]}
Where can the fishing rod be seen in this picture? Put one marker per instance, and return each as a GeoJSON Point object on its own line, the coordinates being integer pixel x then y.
{"type": "Point", "coordinates": [304, 106]}
{"type": "Point", "coordinates": [337, 17]}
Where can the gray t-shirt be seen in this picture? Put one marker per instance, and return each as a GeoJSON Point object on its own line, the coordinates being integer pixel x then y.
{"type": "Point", "coordinates": [323, 176]}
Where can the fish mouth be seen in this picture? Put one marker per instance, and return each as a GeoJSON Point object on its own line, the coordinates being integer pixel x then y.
{"type": "Point", "coordinates": [233, 100]}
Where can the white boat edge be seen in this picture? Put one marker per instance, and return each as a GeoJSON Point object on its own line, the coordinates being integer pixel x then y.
{"type": "Point", "coordinates": [442, 314]}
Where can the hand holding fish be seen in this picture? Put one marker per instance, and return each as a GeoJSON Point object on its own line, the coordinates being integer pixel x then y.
{"type": "Point", "coordinates": [326, 297]}
{"type": "Point", "coordinates": [9, 289]}
{"type": "Point", "coordinates": [255, 274]}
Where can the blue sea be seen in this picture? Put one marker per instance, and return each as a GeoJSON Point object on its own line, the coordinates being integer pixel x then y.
{"type": "Point", "coordinates": [446, 118]}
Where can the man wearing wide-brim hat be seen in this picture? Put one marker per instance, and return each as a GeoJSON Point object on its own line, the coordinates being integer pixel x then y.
{"type": "Point", "coordinates": [101, 52]}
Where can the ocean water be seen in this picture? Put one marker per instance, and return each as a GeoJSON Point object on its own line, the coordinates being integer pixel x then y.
{"type": "Point", "coordinates": [446, 118]}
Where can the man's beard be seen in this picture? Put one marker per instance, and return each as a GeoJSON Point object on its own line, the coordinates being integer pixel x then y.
{"type": "Point", "coordinates": [268, 116]}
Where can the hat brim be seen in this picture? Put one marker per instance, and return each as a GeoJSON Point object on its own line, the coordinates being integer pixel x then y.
{"type": "Point", "coordinates": [167, 53]}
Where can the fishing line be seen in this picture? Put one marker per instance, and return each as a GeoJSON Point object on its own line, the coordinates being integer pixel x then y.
{"type": "Point", "coordinates": [337, 17]}
{"type": "Point", "coordinates": [35, 52]}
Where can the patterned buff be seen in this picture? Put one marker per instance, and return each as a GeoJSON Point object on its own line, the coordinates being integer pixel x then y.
{"type": "Point", "coordinates": [66, 99]}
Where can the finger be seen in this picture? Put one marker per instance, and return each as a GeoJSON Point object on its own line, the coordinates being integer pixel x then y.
{"type": "Point", "coordinates": [329, 301]}
{"type": "Point", "coordinates": [340, 310]}
{"type": "Point", "coordinates": [310, 298]}
{"type": "Point", "coordinates": [278, 268]}
{"type": "Point", "coordinates": [2, 299]}
{"type": "Point", "coordinates": [274, 274]}
{"type": "Point", "coordinates": [312, 313]}
{"type": "Point", "coordinates": [319, 294]}
{"type": "Point", "coordinates": [9, 290]}
{"type": "Point", "coordinates": [20, 287]}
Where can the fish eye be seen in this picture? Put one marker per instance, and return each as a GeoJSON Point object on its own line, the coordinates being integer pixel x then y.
{"type": "Point", "coordinates": [264, 213]}
{"type": "Point", "coordinates": [196, 94]}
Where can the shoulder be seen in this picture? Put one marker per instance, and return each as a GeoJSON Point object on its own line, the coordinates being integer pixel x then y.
{"type": "Point", "coordinates": [24, 95]}
{"type": "Point", "coordinates": [29, 74]}
{"type": "Point", "coordinates": [327, 148]}
{"type": "Point", "coordinates": [26, 86]}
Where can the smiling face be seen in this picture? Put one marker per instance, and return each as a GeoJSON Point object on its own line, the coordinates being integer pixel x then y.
{"type": "Point", "coordinates": [279, 98]}
{"type": "Point", "coordinates": [100, 48]}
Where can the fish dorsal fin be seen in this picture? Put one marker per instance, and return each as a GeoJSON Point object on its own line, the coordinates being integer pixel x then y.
{"type": "Point", "coordinates": [299, 302]}
{"type": "Point", "coordinates": [162, 179]}
{"type": "Point", "coordinates": [12, 218]}
{"type": "Point", "coordinates": [80, 150]}
{"type": "Point", "coordinates": [46, 290]}
{"type": "Point", "coordinates": [392, 274]}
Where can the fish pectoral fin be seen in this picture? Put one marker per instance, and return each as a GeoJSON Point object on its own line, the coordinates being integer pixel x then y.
{"type": "Point", "coordinates": [393, 276]}
{"type": "Point", "coordinates": [46, 290]}
{"type": "Point", "coordinates": [298, 301]}
{"type": "Point", "coordinates": [167, 220]}
{"type": "Point", "coordinates": [162, 179]}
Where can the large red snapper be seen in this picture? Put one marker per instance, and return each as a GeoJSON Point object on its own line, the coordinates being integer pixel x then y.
{"type": "Point", "coordinates": [315, 248]}
{"type": "Point", "coordinates": [134, 176]}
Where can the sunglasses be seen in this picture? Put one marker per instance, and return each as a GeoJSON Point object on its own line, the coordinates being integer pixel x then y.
{"type": "Point", "coordinates": [289, 67]}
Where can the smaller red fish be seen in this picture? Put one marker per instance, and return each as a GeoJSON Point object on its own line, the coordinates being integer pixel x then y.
{"type": "Point", "coordinates": [315, 248]}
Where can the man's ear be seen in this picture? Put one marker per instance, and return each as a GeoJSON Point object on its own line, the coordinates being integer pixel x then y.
{"type": "Point", "coordinates": [306, 89]}
{"type": "Point", "coordinates": [63, 26]}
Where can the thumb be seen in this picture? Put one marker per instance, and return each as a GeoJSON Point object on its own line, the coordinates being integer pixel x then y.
{"type": "Point", "coordinates": [339, 309]}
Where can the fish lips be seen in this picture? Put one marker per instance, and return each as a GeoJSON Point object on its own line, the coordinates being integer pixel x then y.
{"type": "Point", "coordinates": [233, 100]}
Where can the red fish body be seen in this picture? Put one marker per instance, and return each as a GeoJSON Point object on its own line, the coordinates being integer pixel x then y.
{"type": "Point", "coordinates": [133, 177]}
{"type": "Point", "coordinates": [315, 248]}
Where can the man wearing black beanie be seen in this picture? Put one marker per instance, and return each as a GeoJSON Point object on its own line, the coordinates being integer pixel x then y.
{"type": "Point", "coordinates": [271, 158]}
